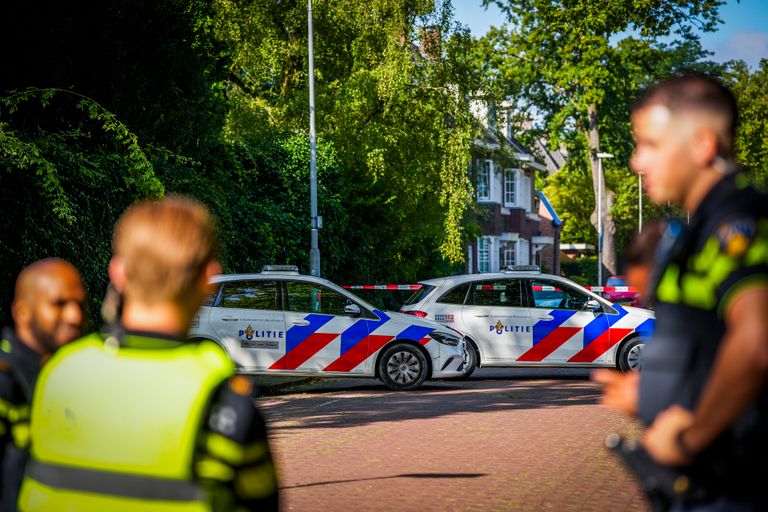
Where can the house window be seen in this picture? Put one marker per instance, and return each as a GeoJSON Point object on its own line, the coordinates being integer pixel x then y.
{"type": "Point", "coordinates": [509, 187]}
{"type": "Point", "coordinates": [509, 256]}
{"type": "Point", "coordinates": [484, 180]}
{"type": "Point", "coordinates": [483, 255]}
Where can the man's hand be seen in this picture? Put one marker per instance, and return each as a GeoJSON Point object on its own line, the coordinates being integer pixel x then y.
{"type": "Point", "coordinates": [620, 390]}
{"type": "Point", "coordinates": [662, 439]}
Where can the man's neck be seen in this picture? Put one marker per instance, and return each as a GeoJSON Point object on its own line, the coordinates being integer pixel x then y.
{"type": "Point", "coordinates": [162, 318]}
{"type": "Point", "coordinates": [705, 181]}
{"type": "Point", "coordinates": [25, 336]}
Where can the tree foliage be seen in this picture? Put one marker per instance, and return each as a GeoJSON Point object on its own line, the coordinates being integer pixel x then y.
{"type": "Point", "coordinates": [578, 63]}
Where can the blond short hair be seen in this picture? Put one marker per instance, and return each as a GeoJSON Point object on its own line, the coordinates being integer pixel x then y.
{"type": "Point", "coordinates": [165, 247]}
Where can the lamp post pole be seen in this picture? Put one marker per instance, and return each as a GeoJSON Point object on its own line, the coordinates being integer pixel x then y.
{"type": "Point", "coordinates": [600, 157]}
{"type": "Point", "coordinates": [640, 202]}
{"type": "Point", "coordinates": [314, 251]}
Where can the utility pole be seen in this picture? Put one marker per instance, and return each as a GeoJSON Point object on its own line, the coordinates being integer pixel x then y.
{"type": "Point", "coordinates": [316, 222]}
{"type": "Point", "coordinates": [600, 157]}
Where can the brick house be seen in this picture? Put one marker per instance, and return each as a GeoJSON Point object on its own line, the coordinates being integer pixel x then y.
{"type": "Point", "coordinates": [517, 223]}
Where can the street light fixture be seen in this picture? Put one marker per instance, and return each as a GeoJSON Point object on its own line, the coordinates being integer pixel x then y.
{"type": "Point", "coordinates": [600, 157]}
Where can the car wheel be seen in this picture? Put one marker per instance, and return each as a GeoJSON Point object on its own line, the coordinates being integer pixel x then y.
{"type": "Point", "coordinates": [403, 367]}
{"type": "Point", "coordinates": [470, 361]}
{"type": "Point", "coordinates": [629, 356]}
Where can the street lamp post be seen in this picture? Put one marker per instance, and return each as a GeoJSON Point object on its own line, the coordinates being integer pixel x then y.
{"type": "Point", "coordinates": [600, 157]}
{"type": "Point", "coordinates": [640, 202]}
{"type": "Point", "coordinates": [314, 251]}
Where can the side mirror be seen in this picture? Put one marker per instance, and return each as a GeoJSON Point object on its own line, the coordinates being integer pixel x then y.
{"type": "Point", "coordinates": [593, 305]}
{"type": "Point", "coordinates": [352, 310]}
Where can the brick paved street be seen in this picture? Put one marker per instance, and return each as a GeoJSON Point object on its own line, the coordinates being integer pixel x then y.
{"type": "Point", "coordinates": [512, 439]}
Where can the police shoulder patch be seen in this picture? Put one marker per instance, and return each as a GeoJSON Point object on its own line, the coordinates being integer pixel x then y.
{"type": "Point", "coordinates": [735, 235]}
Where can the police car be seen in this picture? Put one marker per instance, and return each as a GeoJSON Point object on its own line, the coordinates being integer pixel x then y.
{"type": "Point", "coordinates": [521, 317]}
{"type": "Point", "coordinates": [284, 323]}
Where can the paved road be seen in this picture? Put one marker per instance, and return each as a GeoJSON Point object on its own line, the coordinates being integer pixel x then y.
{"type": "Point", "coordinates": [512, 439]}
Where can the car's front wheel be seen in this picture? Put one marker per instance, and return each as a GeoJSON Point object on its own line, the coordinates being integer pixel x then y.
{"type": "Point", "coordinates": [403, 367]}
{"type": "Point", "coordinates": [629, 355]}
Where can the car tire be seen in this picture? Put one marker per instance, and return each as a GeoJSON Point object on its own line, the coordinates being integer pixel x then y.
{"type": "Point", "coordinates": [471, 359]}
{"type": "Point", "coordinates": [629, 355]}
{"type": "Point", "coordinates": [403, 367]}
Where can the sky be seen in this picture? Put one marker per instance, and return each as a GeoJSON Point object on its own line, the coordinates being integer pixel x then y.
{"type": "Point", "coordinates": [742, 35]}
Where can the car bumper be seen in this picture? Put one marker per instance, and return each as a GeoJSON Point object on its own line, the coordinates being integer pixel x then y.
{"type": "Point", "coordinates": [450, 363]}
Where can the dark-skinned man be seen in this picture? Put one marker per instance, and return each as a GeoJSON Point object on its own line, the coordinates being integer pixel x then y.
{"type": "Point", "coordinates": [47, 312]}
{"type": "Point", "coordinates": [140, 418]}
{"type": "Point", "coordinates": [702, 388]}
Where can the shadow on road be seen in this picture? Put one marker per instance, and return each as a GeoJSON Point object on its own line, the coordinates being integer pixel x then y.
{"type": "Point", "coordinates": [361, 404]}
{"type": "Point", "coordinates": [404, 475]}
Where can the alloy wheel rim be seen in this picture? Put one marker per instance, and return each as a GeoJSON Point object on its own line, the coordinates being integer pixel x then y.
{"type": "Point", "coordinates": [403, 367]}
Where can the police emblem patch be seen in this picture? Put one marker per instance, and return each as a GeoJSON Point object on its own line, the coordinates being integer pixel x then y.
{"type": "Point", "coordinates": [735, 236]}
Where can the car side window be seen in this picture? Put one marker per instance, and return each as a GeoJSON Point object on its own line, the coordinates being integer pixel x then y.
{"type": "Point", "coordinates": [500, 292]}
{"type": "Point", "coordinates": [455, 295]}
{"type": "Point", "coordinates": [306, 297]}
{"type": "Point", "coordinates": [552, 295]}
{"type": "Point", "coordinates": [210, 299]}
{"type": "Point", "coordinates": [250, 295]}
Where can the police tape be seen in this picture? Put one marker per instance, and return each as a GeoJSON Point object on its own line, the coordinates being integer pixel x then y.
{"type": "Point", "coordinates": [383, 287]}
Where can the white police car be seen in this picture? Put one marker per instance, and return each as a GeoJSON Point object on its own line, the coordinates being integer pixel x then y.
{"type": "Point", "coordinates": [521, 317]}
{"type": "Point", "coordinates": [284, 323]}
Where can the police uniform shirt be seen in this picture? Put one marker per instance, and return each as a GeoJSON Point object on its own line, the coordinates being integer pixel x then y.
{"type": "Point", "coordinates": [722, 251]}
{"type": "Point", "coordinates": [19, 367]}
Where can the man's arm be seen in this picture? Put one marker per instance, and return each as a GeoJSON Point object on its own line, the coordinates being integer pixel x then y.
{"type": "Point", "coordinates": [234, 454]}
{"type": "Point", "coordinates": [738, 375]}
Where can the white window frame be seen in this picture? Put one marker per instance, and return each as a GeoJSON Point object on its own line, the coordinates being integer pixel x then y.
{"type": "Point", "coordinates": [510, 187]}
{"type": "Point", "coordinates": [509, 256]}
{"type": "Point", "coordinates": [484, 168]}
{"type": "Point", "coordinates": [484, 254]}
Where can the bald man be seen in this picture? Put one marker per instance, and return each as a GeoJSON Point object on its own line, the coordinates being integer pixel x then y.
{"type": "Point", "coordinates": [47, 312]}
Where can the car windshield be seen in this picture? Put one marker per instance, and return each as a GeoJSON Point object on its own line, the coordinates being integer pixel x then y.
{"type": "Point", "coordinates": [616, 281]}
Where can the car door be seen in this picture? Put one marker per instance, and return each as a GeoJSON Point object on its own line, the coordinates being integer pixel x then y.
{"type": "Point", "coordinates": [249, 311]}
{"type": "Point", "coordinates": [316, 318]}
{"type": "Point", "coordinates": [496, 316]}
{"type": "Point", "coordinates": [564, 326]}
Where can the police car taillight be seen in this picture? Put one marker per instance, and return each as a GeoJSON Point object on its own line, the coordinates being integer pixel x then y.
{"type": "Point", "coordinates": [420, 314]}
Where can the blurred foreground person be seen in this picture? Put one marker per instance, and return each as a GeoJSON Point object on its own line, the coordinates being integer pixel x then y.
{"type": "Point", "coordinates": [640, 257]}
{"type": "Point", "coordinates": [47, 313]}
{"type": "Point", "coordinates": [702, 390]}
{"type": "Point", "coordinates": [139, 418]}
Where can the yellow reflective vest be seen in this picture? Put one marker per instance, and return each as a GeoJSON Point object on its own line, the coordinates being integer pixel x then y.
{"type": "Point", "coordinates": [115, 428]}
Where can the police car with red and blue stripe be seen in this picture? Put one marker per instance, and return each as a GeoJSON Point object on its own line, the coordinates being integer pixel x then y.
{"type": "Point", "coordinates": [521, 317]}
{"type": "Point", "coordinates": [284, 323]}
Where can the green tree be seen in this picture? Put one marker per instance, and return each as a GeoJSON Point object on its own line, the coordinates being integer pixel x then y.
{"type": "Point", "coordinates": [569, 60]}
{"type": "Point", "coordinates": [751, 91]}
{"type": "Point", "coordinates": [391, 81]}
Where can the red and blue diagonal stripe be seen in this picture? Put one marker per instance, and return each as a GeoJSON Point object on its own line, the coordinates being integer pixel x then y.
{"type": "Point", "coordinates": [599, 336]}
{"type": "Point", "coordinates": [548, 335]}
{"type": "Point", "coordinates": [358, 342]}
{"type": "Point", "coordinates": [303, 341]}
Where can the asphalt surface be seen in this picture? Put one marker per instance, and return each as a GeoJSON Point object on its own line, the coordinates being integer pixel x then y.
{"type": "Point", "coordinates": [506, 439]}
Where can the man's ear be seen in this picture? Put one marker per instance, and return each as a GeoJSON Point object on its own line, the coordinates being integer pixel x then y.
{"type": "Point", "coordinates": [117, 273]}
{"type": "Point", "coordinates": [706, 146]}
{"type": "Point", "coordinates": [20, 312]}
{"type": "Point", "coordinates": [211, 269]}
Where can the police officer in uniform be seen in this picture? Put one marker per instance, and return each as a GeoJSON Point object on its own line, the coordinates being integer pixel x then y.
{"type": "Point", "coordinates": [139, 418]}
{"type": "Point", "coordinates": [702, 389]}
{"type": "Point", "coordinates": [48, 312]}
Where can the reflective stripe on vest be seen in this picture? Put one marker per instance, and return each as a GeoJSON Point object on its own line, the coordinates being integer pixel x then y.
{"type": "Point", "coordinates": [119, 415]}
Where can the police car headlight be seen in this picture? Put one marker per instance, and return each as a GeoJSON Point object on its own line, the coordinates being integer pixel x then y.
{"type": "Point", "coordinates": [444, 338]}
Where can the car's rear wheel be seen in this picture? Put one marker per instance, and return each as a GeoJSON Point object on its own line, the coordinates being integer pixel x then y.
{"type": "Point", "coordinates": [630, 355]}
{"type": "Point", "coordinates": [403, 367]}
